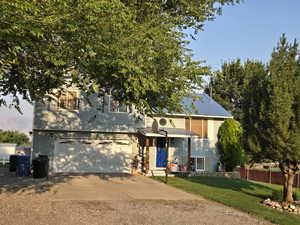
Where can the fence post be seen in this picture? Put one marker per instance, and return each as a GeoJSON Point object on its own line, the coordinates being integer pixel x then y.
{"type": "Point", "coordinates": [270, 175]}
{"type": "Point", "coordinates": [247, 173]}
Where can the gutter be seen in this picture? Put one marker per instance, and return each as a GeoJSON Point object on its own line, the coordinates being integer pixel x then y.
{"type": "Point", "coordinates": [84, 131]}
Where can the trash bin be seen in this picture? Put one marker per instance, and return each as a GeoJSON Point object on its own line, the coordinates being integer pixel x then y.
{"type": "Point", "coordinates": [13, 163]}
{"type": "Point", "coordinates": [23, 166]}
{"type": "Point", "coordinates": [40, 166]}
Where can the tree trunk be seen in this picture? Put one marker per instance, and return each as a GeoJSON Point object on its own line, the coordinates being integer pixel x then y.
{"type": "Point", "coordinates": [289, 170]}
{"type": "Point", "coordinates": [288, 196]}
{"type": "Point", "coordinates": [285, 185]}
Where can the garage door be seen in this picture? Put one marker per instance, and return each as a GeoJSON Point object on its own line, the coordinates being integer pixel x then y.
{"type": "Point", "coordinates": [92, 156]}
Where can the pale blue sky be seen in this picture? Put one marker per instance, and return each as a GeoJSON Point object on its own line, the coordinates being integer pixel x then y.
{"type": "Point", "coordinates": [248, 31]}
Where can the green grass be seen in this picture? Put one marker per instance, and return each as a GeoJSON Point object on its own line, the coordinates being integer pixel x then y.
{"type": "Point", "coordinates": [237, 193]}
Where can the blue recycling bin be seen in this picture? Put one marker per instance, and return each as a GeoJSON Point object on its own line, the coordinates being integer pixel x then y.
{"type": "Point", "coordinates": [23, 166]}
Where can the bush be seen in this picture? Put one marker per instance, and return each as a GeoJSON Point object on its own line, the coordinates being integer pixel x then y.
{"type": "Point", "coordinates": [277, 195]}
{"type": "Point", "coordinates": [296, 195]}
{"type": "Point", "coordinates": [229, 144]}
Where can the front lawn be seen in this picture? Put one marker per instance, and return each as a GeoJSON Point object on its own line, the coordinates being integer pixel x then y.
{"type": "Point", "coordinates": [237, 193]}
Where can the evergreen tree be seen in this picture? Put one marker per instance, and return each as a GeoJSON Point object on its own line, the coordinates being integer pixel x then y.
{"type": "Point", "coordinates": [282, 118]}
{"type": "Point", "coordinates": [252, 108]}
{"type": "Point", "coordinates": [272, 112]}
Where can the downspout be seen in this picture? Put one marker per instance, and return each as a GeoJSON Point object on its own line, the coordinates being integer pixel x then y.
{"type": "Point", "coordinates": [189, 155]}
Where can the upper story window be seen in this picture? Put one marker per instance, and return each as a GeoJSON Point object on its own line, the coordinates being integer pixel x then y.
{"type": "Point", "coordinates": [198, 126]}
{"type": "Point", "coordinates": [116, 106]}
{"type": "Point", "coordinates": [69, 100]}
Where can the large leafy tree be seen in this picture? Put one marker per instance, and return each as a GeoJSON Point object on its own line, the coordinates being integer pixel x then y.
{"type": "Point", "coordinates": [272, 105]}
{"type": "Point", "coordinates": [227, 85]}
{"type": "Point", "coordinates": [135, 47]}
{"type": "Point", "coordinates": [15, 137]}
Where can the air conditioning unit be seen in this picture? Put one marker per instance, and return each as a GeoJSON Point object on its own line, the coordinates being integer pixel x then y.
{"type": "Point", "coordinates": [159, 124]}
{"type": "Point", "coordinates": [163, 122]}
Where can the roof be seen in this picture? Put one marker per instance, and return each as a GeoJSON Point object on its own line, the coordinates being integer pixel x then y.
{"type": "Point", "coordinates": [204, 106]}
{"type": "Point", "coordinates": [170, 132]}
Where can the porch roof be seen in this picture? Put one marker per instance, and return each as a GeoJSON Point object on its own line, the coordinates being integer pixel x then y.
{"type": "Point", "coordinates": [171, 132]}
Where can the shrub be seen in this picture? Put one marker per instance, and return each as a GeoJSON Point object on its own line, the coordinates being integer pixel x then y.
{"type": "Point", "coordinates": [229, 143]}
{"type": "Point", "coordinates": [277, 195]}
{"type": "Point", "coordinates": [296, 195]}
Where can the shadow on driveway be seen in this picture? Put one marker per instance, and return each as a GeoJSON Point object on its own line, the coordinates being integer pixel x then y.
{"type": "Point", "coordinates": [10, 183]}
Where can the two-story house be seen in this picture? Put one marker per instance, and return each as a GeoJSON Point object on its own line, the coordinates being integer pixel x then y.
{"type": "Point", "coordinates": [96, 134]}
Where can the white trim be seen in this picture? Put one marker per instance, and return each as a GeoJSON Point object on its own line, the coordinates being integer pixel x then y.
{"type": "Point", "coordinates": [198, 115]}
{"type": "Point", "coordinates": [169, 135]}
{"type": "Point", "coordinates": [84, 131]}
{"type": "Point", "coordinates": [199, 157]}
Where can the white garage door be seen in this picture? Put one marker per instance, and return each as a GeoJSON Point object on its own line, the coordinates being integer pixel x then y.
{"type": "Point", "coordinates": [92, 156]}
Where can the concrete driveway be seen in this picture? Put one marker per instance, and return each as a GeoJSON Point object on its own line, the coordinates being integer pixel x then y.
{"type": "Point", "coordinates": [108, 200]}
{"type": "Point", "coordinates": [117, 187]}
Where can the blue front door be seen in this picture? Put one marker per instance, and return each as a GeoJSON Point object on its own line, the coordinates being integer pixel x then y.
{"type": "Point", "coordinates": [161, 157]}
{"type": "Point", "coordinates": [161, 152]}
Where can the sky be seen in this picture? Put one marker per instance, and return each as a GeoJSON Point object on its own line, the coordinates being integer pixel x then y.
{"type": "Point", "coordinates": [249, 30]}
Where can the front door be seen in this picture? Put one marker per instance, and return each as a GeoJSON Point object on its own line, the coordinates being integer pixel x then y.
{"type": "Point", "coordinates": [161, 152]}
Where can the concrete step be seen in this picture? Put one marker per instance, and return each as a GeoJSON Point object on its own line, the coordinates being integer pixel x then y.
{"type": "Point", "coordinates": [158, 173]}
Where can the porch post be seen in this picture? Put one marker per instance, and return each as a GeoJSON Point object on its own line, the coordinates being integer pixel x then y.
{"type": "Point", "coordinates": [189, 155]}
{"type": "Point", "coordinates": [167, 148]}
{"type": "Point", "coordinates": [147, 143]}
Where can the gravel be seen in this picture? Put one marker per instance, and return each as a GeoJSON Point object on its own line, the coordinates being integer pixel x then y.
{"type": "Point", "coordinates": [36, 201]}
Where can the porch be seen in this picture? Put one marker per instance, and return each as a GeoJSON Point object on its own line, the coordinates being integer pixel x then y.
{"type": "Point", "coordinates": [168, 148]}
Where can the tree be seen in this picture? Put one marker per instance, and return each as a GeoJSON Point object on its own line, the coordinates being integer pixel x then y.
{"type": "Point", "coordinates": [252, 110]}
{"type": "Point", "coordinates": [135, 47]}
{"type": "Point", "coordinates": [229, 84]}
{"type": "Point", "coordinates": [227, 87]}
{"type": "Point", "coordinates": [14, 137]}
{"type": "Point", "coordinates": [229, 143]}
{"type": "Point", "coordinates": [275, 103]}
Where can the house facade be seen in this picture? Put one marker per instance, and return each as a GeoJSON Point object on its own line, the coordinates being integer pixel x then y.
{"type": "Point", "coordinates": [95, 134]}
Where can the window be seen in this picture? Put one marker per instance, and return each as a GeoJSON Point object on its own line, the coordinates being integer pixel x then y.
{"type": "Point", "coordinates": [200, 127]}
{"type": "Point", "coordinates": [115, 106]}
{"type": "Point", "coordinates": [50, 102]}
{"type": "Point", "coordinates": [200, 164]}
{"type": "Point", "coordinates": [68, 100]}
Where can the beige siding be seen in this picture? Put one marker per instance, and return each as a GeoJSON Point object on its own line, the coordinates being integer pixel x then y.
{"type": "Point", "coordinates": [152, 158]}
{"type": "Point", "coordinates": [217, 124]}
{"type": "Point", "coordinates": [171, 122]}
